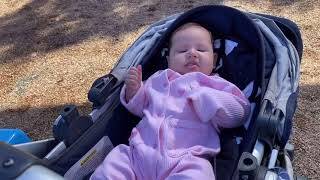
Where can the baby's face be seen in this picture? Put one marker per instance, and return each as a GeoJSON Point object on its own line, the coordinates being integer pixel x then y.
{"type": "Point", "coordinates": [192, 51]}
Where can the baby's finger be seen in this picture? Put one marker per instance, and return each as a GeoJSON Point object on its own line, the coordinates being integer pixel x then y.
{"type": "Point", "coordinates": [139, 68]}
{"type": "Point", "coordinates": [130, 82]}
{"type": "Point", "coordinates": [133, 70]}
{"type": "Point", "coordinates": [133, 76]}
{"type": "Point", "coordinates": [140, 71]}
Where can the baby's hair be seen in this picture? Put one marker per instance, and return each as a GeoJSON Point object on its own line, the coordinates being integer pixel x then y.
{"type": "Point", "coordinates": [185, 26]}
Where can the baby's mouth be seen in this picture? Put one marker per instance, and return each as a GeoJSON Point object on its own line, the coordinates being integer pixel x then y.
{"type": "Point", "coordinates": [192, 65]}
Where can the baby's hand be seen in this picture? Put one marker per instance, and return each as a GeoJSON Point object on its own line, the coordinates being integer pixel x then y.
{"type": "Point", "coordinates": [133, 81]}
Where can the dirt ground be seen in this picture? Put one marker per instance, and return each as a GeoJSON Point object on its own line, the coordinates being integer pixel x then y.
{"type": "Point", "coordinates": [52, 50]}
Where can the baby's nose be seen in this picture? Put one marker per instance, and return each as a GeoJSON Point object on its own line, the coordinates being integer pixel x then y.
{"type": "Point", "coordinates": [193, 53]}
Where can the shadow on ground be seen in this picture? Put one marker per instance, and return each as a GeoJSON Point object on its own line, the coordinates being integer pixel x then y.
{"type": "Point", "coordinates": [36, 122]}
{"type": "Point", "coordinates": [306, 132]}
{"type": "Point", "coordinates": [46, 25]}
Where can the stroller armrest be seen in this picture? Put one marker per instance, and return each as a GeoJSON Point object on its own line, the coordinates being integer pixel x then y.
{"type": "Point", "coordinates": [268, 122]}
{"type": "Point", "coordinates": [101, 89]}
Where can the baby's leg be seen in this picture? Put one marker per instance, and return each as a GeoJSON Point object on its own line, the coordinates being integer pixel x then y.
{"type": "Point", "coordinates": [116, 165]}
{"type": "Point", "coordinates": [192, 167]}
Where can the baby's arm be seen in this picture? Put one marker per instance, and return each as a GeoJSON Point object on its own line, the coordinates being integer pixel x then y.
{"type": "Point", "coordinates": [226, 108]}
{"type": "Point", "coordinates": [132, 95]}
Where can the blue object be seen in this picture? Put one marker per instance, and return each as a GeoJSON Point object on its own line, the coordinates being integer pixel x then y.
{"type": "Point", "coordinates": [13, 136]}
{"type": "Point", "coordinates": [282, 173]}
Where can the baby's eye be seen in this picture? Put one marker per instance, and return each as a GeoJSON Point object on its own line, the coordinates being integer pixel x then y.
{"type": "Point", "coordinates": [182, 51]}
{"type": "Point", "coordinates": [202, 50]}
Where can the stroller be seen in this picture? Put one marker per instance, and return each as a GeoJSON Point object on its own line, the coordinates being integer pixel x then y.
{"type": "Point", "coordinates": [258, 53]}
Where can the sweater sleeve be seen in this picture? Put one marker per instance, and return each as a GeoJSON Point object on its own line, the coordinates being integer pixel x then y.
{"type": "Point", "coordinates": [225, 108]}
{"type": "Point", "coordinates": [137, 103]}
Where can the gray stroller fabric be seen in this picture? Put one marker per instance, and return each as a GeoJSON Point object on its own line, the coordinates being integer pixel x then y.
{"type": "Point", "coordinates": [285, 75]}
{"type": "Point", "coordinates": [286, 72]}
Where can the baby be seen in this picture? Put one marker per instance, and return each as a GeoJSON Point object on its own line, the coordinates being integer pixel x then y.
{"type": "Point", "coordinates": [182, 110]}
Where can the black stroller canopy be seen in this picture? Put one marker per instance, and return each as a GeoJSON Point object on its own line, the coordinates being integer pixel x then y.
{"type": "Point", "coordinates": [224, 22]}
{"type": "Point", "coordinates": [240, 66]}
